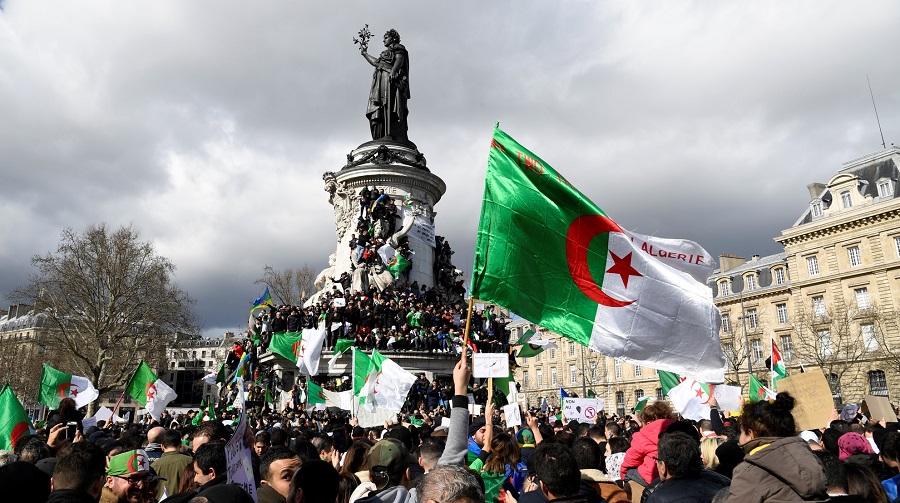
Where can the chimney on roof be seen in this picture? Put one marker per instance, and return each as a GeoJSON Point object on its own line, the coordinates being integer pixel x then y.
{"type": "Point", "coordinates": [754, 258]}
{"type": "Point", "coordinates": [728, 262]}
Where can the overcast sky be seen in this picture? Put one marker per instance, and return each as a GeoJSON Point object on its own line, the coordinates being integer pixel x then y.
{"type": "Point", "coordinates": [208, 124]}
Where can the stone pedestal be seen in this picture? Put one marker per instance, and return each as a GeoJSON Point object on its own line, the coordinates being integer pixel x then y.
{"type": "Point", "coordinates": [399, 171]}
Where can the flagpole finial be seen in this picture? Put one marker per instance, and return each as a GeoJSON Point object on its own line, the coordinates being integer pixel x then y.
{"type": "Point", "coordinates": [496, 126]}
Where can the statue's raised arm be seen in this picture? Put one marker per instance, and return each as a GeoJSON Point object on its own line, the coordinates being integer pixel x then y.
{"type": "Point", "coordinates": [387, 109]}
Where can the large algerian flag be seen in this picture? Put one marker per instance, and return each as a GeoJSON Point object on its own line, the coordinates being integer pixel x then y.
{"type": "Point", "coordinates": [370, 375]}
{"type": "Point", "coordinates": [548, 253]}
{"type": "Point", "coordinates": [392, 385]}
{"type": "Point", "coordinates": [311, 349]}
{"type": "Point", "coordinates": [286, 344]}
{"type": "Point", "coordinates": [315, 396]}
{"type": "Point", "coordinates": [150, 390]}
{"type": "Point", "coordinates": [13, 420]}
{"type": "Point", "coordinates": [777, 368]}
{"type": "Point", "coordinates": [56, 385]}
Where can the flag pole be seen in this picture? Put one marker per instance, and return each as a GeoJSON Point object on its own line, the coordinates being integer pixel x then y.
{"type": "Point", "coordinates": [113, 416]}
{"type": "Point", "coordinates": [490, 399]}
{"type": "Point", "coordinates": [468, 328]}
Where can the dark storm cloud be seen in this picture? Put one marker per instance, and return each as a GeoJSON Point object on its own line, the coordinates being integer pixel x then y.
{"type": "Point", "coordinates": [208, 125]}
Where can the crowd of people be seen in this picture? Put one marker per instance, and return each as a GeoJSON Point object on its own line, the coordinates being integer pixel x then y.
{"type": "Point", "coordinates": [446, 455]}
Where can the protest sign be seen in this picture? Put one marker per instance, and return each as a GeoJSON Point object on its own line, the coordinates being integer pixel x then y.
{"type": "Point", "coordinates": [88, 422]}
{"type": "Point", "coordinates": [814, 403]}
{"type": "Point", "coordinates": [237, 454]}
{"type": "Point", "coordinates": [513, 416]}
{"type": "Point", "coordinates": [879, 408]}
{"type": "Point", "coordinates": [340, 302]}
{"type": "Point", "coordinates": [491, 365]}
{"type": "Point", "coordinates": [583, 410]}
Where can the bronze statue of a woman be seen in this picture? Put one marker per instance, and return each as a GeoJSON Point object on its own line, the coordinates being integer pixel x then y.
{"type": "Point", "coordinates": [387, 110]}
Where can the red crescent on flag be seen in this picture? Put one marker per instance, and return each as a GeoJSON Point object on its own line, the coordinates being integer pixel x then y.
{"type": "Point", "coordinates": [581, 231]}
{"type": "Point", "coordinates": [130, 463]}
{"type": "Point", "coordinates": [294, 348]}
{"type": "Point", "coordinates": [18, 430]}
{"type": "Point", "coordinates": [150, 391]}
{"type": "Point", "coordinates": [63, 389]}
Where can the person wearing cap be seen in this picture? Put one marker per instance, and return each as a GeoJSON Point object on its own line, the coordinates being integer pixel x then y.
{"type": "Point", "coordinates": [388, 462]}
{"type": "Point", "coordinates": [126, 478]}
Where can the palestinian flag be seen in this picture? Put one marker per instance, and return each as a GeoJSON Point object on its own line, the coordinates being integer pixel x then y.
{"type": "Point", "coordinates": [149, 390]}
{"type": "Point", "coordinates": [777, 366]}
{"type": "Point", "coordinates": [13, 420]}
{"type": "Point", "coordinates": [56, 385]}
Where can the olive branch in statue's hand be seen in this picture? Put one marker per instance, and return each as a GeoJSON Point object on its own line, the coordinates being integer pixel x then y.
{"type": "Point", "coordinates": [363, 40]}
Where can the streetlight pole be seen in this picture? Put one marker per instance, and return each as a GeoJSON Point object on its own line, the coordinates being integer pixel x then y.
{"type": "Point", "coordinates": [746, 339]}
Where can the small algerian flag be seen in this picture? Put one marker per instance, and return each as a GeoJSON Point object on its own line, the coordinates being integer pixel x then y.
{"type": "Point", "coordinates": [639, 406]}
{"type": "Point", "coordinates": [691, 399]}
{"type": "Point", "coordinates": [398, 265]}
{"type": "Point", "coordinates": [286, 344]}
{"type": "Point", "coordinates": [777, 368]}
{"type": "Point", "coordinates": [13, 420]}
{"type": "Point", "coordinates": [315, 396]}
{"type": "Point", "coordinates": [56, 385]}
{"type": "Point", "coordinates": [415, 422]}
{"type": "Point", "coordinates": [361, 363]}
{"type": "Point", "coordinates": [591, 394]}
{"type": "Point", "coordinates": [525, 337]}
{"type": "Point", "coordinates": [759, 392]}
{"type": "Point", "coordinates": [340, 347]}
{"type": "Point", "coordinates": [220, 375]}
{"type": "Point", "coordinates": [150, 391]}
{"type": "Point", "coordinates": [128, 462]}
{"type": "Point", "coordinates": [536, 346]}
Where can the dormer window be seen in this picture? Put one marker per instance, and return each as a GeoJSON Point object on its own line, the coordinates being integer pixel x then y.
{"type": "Point", "coordinates": [885, 188]}
{"type": "Point", "coordinates": [845, 199]}
{"type": "Point", "coordinates": [779, 276]}
{"type": "Point", "coordinates": [817, 208]}
{"type": "Point", "coordinates": [750, 281]}
{"type": "Point", "coordinates": [724, 287]}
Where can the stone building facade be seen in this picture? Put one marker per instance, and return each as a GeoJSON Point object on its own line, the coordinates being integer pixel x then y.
{"type": "Point", "coordinates": [830, 300]}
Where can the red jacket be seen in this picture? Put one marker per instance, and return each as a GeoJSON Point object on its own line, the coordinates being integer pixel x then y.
{"type": "Point", "coordinates": [643, 449]}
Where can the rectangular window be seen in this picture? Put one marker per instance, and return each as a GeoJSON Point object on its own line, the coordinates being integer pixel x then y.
{"type": "Point", "coordinates": [724, 289]}
{"type": "Point", "coordinates": [825, 346]}
{"type": "Point", "coordinates": [638, 394]}
{"type": "Point", "coordinates": [659, 394]}
{"type": "Point", "coordinates": [540, 378]}
{"type": "Point", "coordinates": [812, 265]}
{"type": "Point", "coordinates": [862, 298]}
{"type": "Point", "coordinates": [620, 403]}
{"type": "Point", "coordinates": [779, 276]}
{"type": "Point", "coordinates": [726, 323]}
{"type": "Point", "coordinates": [782, 313]}
{"type": "Point", "coordinates": [787, 347]}
{"type": "Point", "coordinates": [553, 376]}
{"type": "Point", "coordinates": [855, 259]}
{"type": "Point", "coordinates": [884, 188]}
{"type": "Point", "coordinates": [869, 340]}
{"type": "Point", "coordinates": [818, 305]}
{"type": "Point", "coordinates": [638, 371]}
{"type": "Point", "coordinates": [728, 349]}
{"type": "Point", "coordinates": [525, 379]}
{"type": "Point", "coordinates": [756, 347]}
{"type": "Point", "coordinates": [845, 199]}
{"type": "Point", "coordinates": [618, 366]}
{"type": "Point", "coordinates": [571, 349]}
{"type": "Point", "coordinates": [878, 383]}
{"type": "Point", "coordinates": [752, 318]}
{"type": "Point", "coordinates": [573, 374]}
{"type": "Point", "coordinates": [816, 209]}
{"type": "Point", "coordinates": [897, 245]}
{"type": "Point", "coordinates": [751, 282]}
{"type": "Point", "coordinates": [552, 353]}
{"type": "Point", "coordinates": [538, 356]}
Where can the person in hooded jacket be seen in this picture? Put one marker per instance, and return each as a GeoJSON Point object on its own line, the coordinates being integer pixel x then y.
{"type": "Point", "coordinates": [641, 455]}
{"type": "Point", "coordinates": [778, 464]}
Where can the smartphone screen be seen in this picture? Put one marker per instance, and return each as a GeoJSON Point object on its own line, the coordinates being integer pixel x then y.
{"type": "Point", "coordinates": [71, 428]}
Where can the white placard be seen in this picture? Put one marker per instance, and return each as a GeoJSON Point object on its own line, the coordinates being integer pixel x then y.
{"type": "Point", "coordinates": [513, 417]}
{"type": "Point", "coordinates": [474, 409]}
{"type": "Point", "coordinates": [237, 454]}
{"type": "Point", "coordinates": [340, 302]}
{"type": "Point", "coordinates": [583, 410]}
{"type": "Point", "coordinates": [88, 422]}
{"type": "Point", "coordinates": [491, 365]}
{"type": "Point", "coordinates": [479, 306]}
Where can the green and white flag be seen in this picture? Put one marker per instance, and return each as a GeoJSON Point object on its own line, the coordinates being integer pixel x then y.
{"type": "Point", "coordinates": [637, 298]}
{"type": "Point", "coordinates": [286, 344]}
{"type": "Point", "coordinates": [361, 369]}
{"type": "Point", "coordinates": [56, 385]}
{"type": "Point", "coordinates": [668, 380]}
{"type": "Point", "coordinates": [315, 396]}
{"type": "Point", "coordinates": [150, 391]}
{"type": "Point", "coordinates": [340, 347]}
{"type": "Point", "coordinates": [535, 346]}
{"type": "Point", "coordinates": [525, 337]}
{"type": "Point", "coordinates": [13, 420]}
{"type": "Point", "coordinates": [759, 392]}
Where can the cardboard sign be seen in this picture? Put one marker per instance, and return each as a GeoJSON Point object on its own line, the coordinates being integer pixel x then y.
{"type": "Point", "coordinates": [513, 416]}
{"type": "Point", "coordinates": [491, 365]}
{"type": "Point", "coordinates": [878, 408]}
{"type": "Point", "coordinates": [583, 410]}
{"type": "Point", "coordinates": [814, 403]}
{"type": "Point", "coordinates": [237, 454]}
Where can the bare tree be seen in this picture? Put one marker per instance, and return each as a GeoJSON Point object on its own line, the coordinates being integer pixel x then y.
{"type": "Point", "coordinates": [831, 340]}
{"type": "Point", "coordinates": [109, 301]}
{"type": "Point", "coordinates": [289, 286]}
